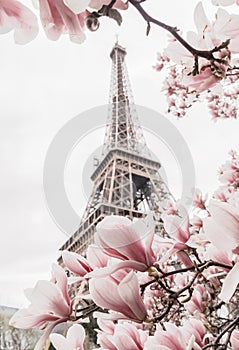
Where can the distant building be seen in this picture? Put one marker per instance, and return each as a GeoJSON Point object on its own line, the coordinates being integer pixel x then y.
{"type": "Point", "coordinates": [13, 338]}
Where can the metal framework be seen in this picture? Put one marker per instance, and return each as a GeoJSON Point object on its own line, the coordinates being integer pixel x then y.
{"type": "Point", "coordinates": [127, 180]}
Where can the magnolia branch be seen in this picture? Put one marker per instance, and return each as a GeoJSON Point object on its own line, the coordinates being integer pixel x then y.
{"type": "Point", "coordinates": [227, 329]}
{"type": "Point", "coordinates": [208, 55]}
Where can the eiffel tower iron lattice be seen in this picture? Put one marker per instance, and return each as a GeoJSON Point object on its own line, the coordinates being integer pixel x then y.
{"type": "Point", "coordinates": [127, 180]}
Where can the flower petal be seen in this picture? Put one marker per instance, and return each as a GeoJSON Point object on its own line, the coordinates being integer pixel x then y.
{"type": "Point", "coordinates": [109, 270]}
{"type": "Point", "coordinates": [130, 294]}
{"type": "Point", "coordinates": [14, 15]}
{"type": "Point", "coordinates": [230, 284]}
{"type": "Point", "coordinates": [59, 342]}
{"type": "Point", "coordinates": [75, 337]}
{"type": "Point", "coordinates": [77, 6]}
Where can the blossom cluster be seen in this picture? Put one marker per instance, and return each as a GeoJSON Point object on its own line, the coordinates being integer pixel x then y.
{"type": "Point", "coordinates": [173, 286]}
{"type": "Point", "coordinates": [189, 77]}
{"type": "Point", "coordinates": [57, 17]}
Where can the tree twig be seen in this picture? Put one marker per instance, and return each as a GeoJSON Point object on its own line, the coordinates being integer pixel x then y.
{"type": "Point", "coordinates": [207, 54]}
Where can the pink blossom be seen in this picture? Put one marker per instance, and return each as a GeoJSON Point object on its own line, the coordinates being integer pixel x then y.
{"type": "Point", "coordinates": [170, 339]}
{"type": "Point", "coordinates": [177, 226]}
{"type": "Point", "coordinates": [189, 337]}
{"type": "Point", "coordinates": [199, 201]}
{"type": "Point", "coordinates": [80, 265]}
{"type": "Point", "coordinates": [195, 327]}
{"type": "Point", "coordinates": [224, 223]}
{"type": "Point", "coordinates": [73, 341]}
{"type": "Point", "coordinates": [57, 18]}
{"type": "Point", "coordinates": [127, 336]}
{"type": "Point", "coordinates": [129, 241]}
{"type": "Point", "coordinates": [105, 335]}
{"type": "Point", "coordinates": [211, 34]}
{"type": "Point", "coordinates": [76, 263]}
{"type": "Point", "coordinates": [230, 284]}
{"type": "Point", "coordinates": [202, 81]}
{"type": "Point", "coordinates": [199, 300]}
{"type": "Point", "coordinates": [17, 17]}
{"type": "Point", "coordinates": [121, 336]}
{"type": "Point", "coordinates": [120, 296]}
{"type": "Point", "coordinates": [208, 36]}
{"type": "Point", "coordinates": [229, 173]}
{"type": "Point", "coordinates": [171, 207]}
{"type": "Point", "coordinates": [49, 302]}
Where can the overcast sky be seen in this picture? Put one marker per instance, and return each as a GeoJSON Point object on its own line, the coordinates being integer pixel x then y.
{"type": "Point", "coordinates": [43, 86]}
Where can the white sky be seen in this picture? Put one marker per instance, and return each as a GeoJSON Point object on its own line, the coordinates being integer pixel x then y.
{"type": "Point", "coordinates": [43, 85]}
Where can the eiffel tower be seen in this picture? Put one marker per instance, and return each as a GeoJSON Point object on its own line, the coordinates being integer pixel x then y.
{"type": "Point", "coordinates": [127, 180]}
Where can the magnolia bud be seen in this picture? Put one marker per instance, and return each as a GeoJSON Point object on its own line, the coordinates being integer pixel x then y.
{"type": "Point", "coordinates": [92, 23]}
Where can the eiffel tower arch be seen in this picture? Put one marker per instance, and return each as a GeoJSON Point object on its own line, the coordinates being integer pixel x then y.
{"type": "Point", "coordinates": [126, 181]}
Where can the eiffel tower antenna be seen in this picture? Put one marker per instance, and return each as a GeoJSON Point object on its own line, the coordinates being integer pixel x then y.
{"type": "Point", "coordinates": [123, 130]}
{"type": "Point", "coordinates": [127, 181]}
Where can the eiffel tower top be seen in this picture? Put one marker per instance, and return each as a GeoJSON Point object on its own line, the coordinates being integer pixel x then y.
{"type": "Point", "coordinates": [123, 130]}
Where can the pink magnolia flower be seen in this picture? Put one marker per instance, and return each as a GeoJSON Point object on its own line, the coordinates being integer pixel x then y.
{"type": "Point", "coordinates": [121, 336]}
{"type": "Point", "coordinates": [202, 81]}
{"type": "Point", "coordinates": [209, 35]}
{"type": "Point", "coordinates": [191, 336]}
{"type": "Point", "coordinates": [196, 328]}
{"type": "Point", "coordinates": [129, 241]}
{"type": "Point", "coordinates": [229, 173]}
{"type": "Point", "coordinates": [74, 339]}
{"type": "Point", "coordinates": [105, 335]}
{"type": "Point", "coordinates": [127, 336]}
{"type": "Point", "coordinates": [57, 18]}
{"type": "Point", "coordinates": [199, 300]}
{"type": "Point", "coordinates": [224, 223]}
{"type": "Point", "coordinates": [121, 296]}
{"type": "Point", "coordinates": [199, 201]}
{"type": "Point", "coordinates": [49, 302]}
{"type": "Point", "coordinates": [15, 16]}
{"type": "Point", "coordinates": [177, 227]}
{"type": "Point", "coordinates": [80, 265]}
{"type": "Point", "coordinates": [78, 6]}
{"type": "Point", "coordinates": [172, 338]}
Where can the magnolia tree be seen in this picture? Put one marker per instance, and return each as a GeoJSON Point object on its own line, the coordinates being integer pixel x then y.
{"type": "Point", "coordinates": [173, 291]}
{"type": "Point", "coordinates": [178, 289]}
